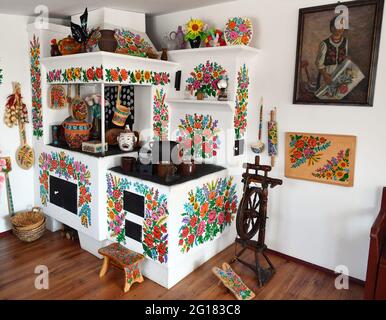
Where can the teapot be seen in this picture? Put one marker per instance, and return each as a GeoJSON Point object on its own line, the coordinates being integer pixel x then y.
{"type": "Point", "coordinates": [127, 140]}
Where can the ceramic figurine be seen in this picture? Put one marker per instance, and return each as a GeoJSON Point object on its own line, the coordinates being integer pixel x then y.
{"type": "Point", "coordinates": [164, 55]}
{"type": "Point", "coordinates": [127, 141]}
{"type": "Point", "coordinates": [54, 48]}
{"type": "Point", "coordinates": [179, 37]}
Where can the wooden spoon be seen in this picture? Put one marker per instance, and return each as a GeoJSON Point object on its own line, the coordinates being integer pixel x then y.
{"type": "Point", "coordinates": [25, 156]}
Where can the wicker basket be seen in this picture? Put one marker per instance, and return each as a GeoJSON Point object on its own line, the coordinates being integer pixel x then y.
{"type": "Point", "coordinates": [29, 226]}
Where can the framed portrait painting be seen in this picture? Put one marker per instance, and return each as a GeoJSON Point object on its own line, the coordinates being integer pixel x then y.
{"type": "Point", "coordinates": [337, 53]}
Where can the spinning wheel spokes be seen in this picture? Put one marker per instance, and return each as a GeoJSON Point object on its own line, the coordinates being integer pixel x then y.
{"type": "Point", "coordinates": [248, 216]}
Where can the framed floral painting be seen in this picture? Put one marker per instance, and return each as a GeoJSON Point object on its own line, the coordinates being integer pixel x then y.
{"type": "Point", "coordinates": [323, 158]}
{"type": "Point", "coordinates": [337, 53]}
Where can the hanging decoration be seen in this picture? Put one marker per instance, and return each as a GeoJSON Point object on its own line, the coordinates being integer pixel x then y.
{"type": "Point", "coordinates": [272, 137]}
{"type": "Point", "coordinates": [259, 146]}
{"type": "Point", "coordinates": [15, 109]}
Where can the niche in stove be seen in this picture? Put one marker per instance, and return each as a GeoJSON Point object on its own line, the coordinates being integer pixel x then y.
{"type": "Point", "coordinates": [133, 230]}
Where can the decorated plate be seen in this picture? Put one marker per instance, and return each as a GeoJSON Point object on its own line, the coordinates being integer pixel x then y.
{"type": "Point", "coordinates": [238, 31]}
{"type": "Point", "coordinates": [79, 109]}
{"type": "Point", "coordinates": [58, 98]}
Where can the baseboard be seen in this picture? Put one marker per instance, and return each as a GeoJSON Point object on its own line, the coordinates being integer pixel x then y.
{"type": "Point", "coordinates": [311, 265]}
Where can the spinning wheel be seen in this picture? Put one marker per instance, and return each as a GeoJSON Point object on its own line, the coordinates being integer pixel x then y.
{"type": "Point", "coordinates": [251, 217]}
{"type": "Point", "coordinates": [248, 215]}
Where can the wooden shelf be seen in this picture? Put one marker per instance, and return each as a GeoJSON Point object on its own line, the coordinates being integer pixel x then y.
{"type": "Point", "coordinates": [225, 50]}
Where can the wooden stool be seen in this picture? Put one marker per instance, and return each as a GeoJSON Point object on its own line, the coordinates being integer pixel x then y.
{"type": "Point", "coordinates": [122, 258]}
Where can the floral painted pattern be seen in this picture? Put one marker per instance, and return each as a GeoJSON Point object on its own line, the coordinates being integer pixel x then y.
{"type": "Point", "coordinates": [209, 210]}
{"type": "Point", "coordinates": [75, 74]}
{"type": "Point", "coordinates": [204, 78]}
{"type": "Point", "coordinates": [336, 169]}
{"type": "Point", "coordinates": [67, 167]}
{"type": "Point", "coordinates": [37, 116]}
{"type": "Point", "coordinates": [198, 136]}
{"type": "Point", "coordinates": [307, 149]}
{"type": "Point", "coordinates": [132, 43]}
{"type": "Point", "coordinates": [155, 235]}
{"type": "Point", "coordinates": [1, 76]}
{"type": "Point", "coordinates": [137, 76]}
{"type": "Point", "coordinates": [115, 213]}
{"type": "Point", "coordinates": [272, 139]}
{"type": "Point", "coordinates": [155, 232]}
{"type": "Point", "coordinates": [160, 116]}
{"type": "Point", "coordinates": [240, 117]}
{"type": "Point", "coordinates": [233, 282]}
{"type": "Point", "coordinates": [238, 31]}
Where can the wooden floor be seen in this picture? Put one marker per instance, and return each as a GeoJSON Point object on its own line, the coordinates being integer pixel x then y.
{"type": "Point", "coordinates": [74, 275]}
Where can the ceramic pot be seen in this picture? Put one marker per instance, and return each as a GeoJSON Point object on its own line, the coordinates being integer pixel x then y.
{"type": "Point", "coordinates": [200, 96]}
{"type": "Point", "coordinates": [166, 170]}
{"type": "Point", "coordinates": [187, 168]}
{"type": "Point", "coordinates": [128, 164]}
{"type": "Point", "coordinates": [127, 141]}
{"type": "Point", "coordinates": [69, 46]}
{"type": "Point", "coordinates": [195, 43]}
{"type": "Point", "coordinates": [107, 41]}
{"type": "Point", "coordinates": [76, 132]}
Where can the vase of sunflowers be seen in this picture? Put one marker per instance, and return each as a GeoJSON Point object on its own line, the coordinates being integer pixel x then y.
{"type": "Point", "coordinates": [195, 31]}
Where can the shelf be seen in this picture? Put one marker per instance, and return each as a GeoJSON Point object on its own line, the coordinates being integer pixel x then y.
{"type": "Point", "coordinates": [112, 151]}
{"type": "Point", "coordinates": [225, 50]}
{"type": "Point", "coordinates": [106, 55]}
{"type": "Point", "coordinates": [200, 102]}
{"type": "Point", "coordinates": [107, 67]}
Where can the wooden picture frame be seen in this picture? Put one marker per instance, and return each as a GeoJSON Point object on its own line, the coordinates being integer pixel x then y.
{"type": "Point", "coordinates": [350, 63]}
{"type": "Point", "coordinates": [318, 157]}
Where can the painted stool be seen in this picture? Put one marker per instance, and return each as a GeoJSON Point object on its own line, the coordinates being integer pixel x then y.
{"type": "Point", "coordinates": [125, 259]}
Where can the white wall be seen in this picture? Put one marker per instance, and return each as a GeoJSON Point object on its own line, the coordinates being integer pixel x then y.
{"type": "Point", "coordinates": [322, 224]}
{"type": "Point", "coordinates": [14, 60]}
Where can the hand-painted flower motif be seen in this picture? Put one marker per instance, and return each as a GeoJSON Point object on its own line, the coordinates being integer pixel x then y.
{"type": "Point", "coordinates": [154, 235]}
{"type": "Point", "coordinates": [238, 31]}
{"type": "Point", "coordinates": [241, 109]}
{"type": "Point", "coordinates": [198, 136]}
{"type": "Point", "coordinates": [37, 116]}
{"type": "Point", "coordinates": [75, 74]}
{"type": "Point", "coordinates": [207, 213]}
{"type": "Point", "coordinates": [160, 116]}
{"type": "Point", "coordinates": [204, 78]}
{"type": "Point", "coordinates": [336, 169]}
{"type": "Point", "coordinates": [137, 76]}
{"type": "Point", "coordinates": [65, 166]}
{"type": "Point", "coordinates": [307, 149]}
{"type": "Point", "coordinates": [132, 43]}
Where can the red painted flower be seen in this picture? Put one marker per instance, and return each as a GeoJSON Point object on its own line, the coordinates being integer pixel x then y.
{"type": "Point", "coordinates": [185, 232]}
{"type": "Point", "coordinates": [70, 169]}
{"type": "Point", "coordinates": [90, 74]}
{"type": "Point", "coordinates": [161, 248]}
{"type": "Point", "coordinates": [99, 73]}
{"type": "Point", "coordinates": [157, 232]}
{"type": "Point", "coordinates": [118, 206]}
{"type": "Point", "coordinates": [63, 164]}
{"type": "Point", "coordinates": [116, 194]}
{"type": "Point", "coordinates": [193, 221]}
{"type": "Point", "coordinates": [54, 164]}
{"type": "Point", "coordinates": [191, 239]}
{"type": "Point", "coordinates": [114, 75]}
{"type": "Point", "coordinates": [312, 142]}
{"type": "Point", "coordinates": [299, 144]}
{"type": "Point", "coordinates": [149, 240]}
{"type": "Point", "coordinates": [163, 228]}
{"type": "Point", "coordinates": [124, 74]}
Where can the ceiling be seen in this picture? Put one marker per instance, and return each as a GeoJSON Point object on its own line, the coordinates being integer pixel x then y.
{"type": "Point", "coordinates": [65, 8]}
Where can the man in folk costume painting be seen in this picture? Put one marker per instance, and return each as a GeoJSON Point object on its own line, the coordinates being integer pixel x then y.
{"type": "Point", "coordinates": [332, 52]}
